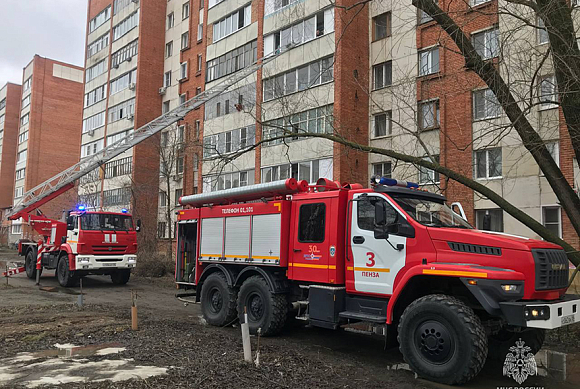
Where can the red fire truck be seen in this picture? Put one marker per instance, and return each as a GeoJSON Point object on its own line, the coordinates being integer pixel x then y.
{"type": "Point", "coordinates": [83, 243]}
{"type": "Point", "coordinates": [392, 255]}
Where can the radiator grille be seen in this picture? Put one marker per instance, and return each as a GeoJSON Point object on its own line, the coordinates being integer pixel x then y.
{"type": "Point", "coordinates": [109, 249]}
{"type": "Point", "coordinates": [474, 248]}
{"type": "Point", "coordinates": [551, 268]}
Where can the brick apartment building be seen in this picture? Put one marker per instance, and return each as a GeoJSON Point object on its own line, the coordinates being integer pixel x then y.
{"type": "Point", "coordinates": [10, 95]}
{"type": "Point", "coordinates": [405, 85]}
{"type": "Point", "coordinates": [49, 112]}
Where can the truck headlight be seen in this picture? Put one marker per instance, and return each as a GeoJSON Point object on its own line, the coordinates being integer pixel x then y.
{"type": "Point", "coordinates": [537, 313]}
{"type": "Point", "coordinates": [83, 259]}
{"type": "Point", "coordinates": [131, 260]}
{"type": "Point", "coordinates": [509, 288]}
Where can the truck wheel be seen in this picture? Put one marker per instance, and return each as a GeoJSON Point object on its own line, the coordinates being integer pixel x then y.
{"type": "Point", "coordinates": [64, 275]}
{"type": "Point", "coordinates": [500, 343]}
{"type": "Point", "coordinates": [265, 309]}
{"type": "Point", "coordinates": [442, 339]}
{"type": "Point", "coordinates": [30, 265]}
{"type": "Point", "coordinates": [121, 277]}
{"type": "Point", "coordinates": [218, 300]}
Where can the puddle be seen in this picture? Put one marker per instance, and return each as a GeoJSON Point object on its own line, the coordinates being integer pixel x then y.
{"type": "Point", "coordinates": [68, 363]}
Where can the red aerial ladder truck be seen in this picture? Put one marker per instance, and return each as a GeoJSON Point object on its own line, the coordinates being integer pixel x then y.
{"type": "Point", "coordinates": [392, 255]}
{"type": "Point", "coordinates": [96, 242]}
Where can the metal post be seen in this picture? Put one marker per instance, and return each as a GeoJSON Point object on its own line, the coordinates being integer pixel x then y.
{"type": "Point", "coordinates": [246, 338]}
{"type": "Point", "coordinates": [134, 323]}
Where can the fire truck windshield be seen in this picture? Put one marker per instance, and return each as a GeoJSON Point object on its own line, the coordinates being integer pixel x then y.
{"type": "Point", "coordinates": [431, 213]}
{"type": "Point", "coordinates": [103, 221]}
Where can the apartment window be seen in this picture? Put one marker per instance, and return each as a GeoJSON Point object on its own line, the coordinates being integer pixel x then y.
{"type": "Point", "coordinates": [164, 139]}
{"type": "Point", "coordinates": [119, 167]}
{"type": "Point", "coordinates": [96, 95]}
{"type": "Point", "coordinates": [382, 124]}
{"type": "Point", "coordinates": [162, 199]}
{"type": "Point", "coordinates": [118, 136]}
{"type": "Point", "coordinates": [185, 11]}
{"type": "Point", "coordinates": [197, 129]}
{"type": "Point", "coordinates": [96, 70]}
{"type": "Point", "coordinates": [486, 43]}
{"type": "Point", "coordinates": [21, 156]}
{"type": "Point", "coordinates": [23, 137]}
{"type": "Point", "coordinates": [123, 82]}
{"type": "Point", "coordinates": [3, 104]}
{"type": "Point", "coordinates": [232, 23]}
{"type": "Point", "coordinates": [185, 40]}
{"type": "Point", "coordinates": [119, 196]}
{"type": "Point", "coordinates": [232, 61]}
{"type": "Point", "coordinates": [382, 75]}
{"type": "Point", "coordinates": [552, 220]}
{"type": "Point", "coordinates": [548, 93]}
{"type": "Point", "coordinates": [381, 26]}
{"type": "Point", "coordinates": [181, 133]}
{"type": "Point", "coordinates": [228, 142]}
{"type": "Point", "coordinates": [27, 84]}
{"type": "Point", "coordinates": [201, 3]}
{"type": "Point", "coordinates": [310, 171]}
{"type": "Point", "coordinates": [543, 36]}
{"type": "Point", "coordinates": [26, 101]}
{"type": "Point", "coordinates": [121, 4]}
{"type": "Point", "coordinates": [383, 169]}
{"type": "Point", "coordinates": [100, 19]}
{"type": "Point", "coordinates": [161, 230]}
{"type": "Point", "coordinates": [429, 61]}
{"type": "Point", "coordinates": [24, 119]}
{"type": "Point", "coordinates": [554, 150]}
{"type": "Point", "coordinates": [428, 176]}
{"type": "Point", "coordinates": [423, 16]}
{"type": "Point", "coordinates": [98, 45]}
{"type": "Point", "coordinates": [428, 115]}
{"type": "Point", "coordinates": [125, 53]}
{"type": "Point", "coordinates": [2, 118]}
{"type": "Point", "coordinates": [485, 105]}
{"type": "Point", "coordinates": [170, 20]}
{"type": "Point", "coordinates": [182, 99]}
{"type": "Point", "coordinates": [489, 219]}
{"type": "Point", "coordinates": [167, 79]}
{"type": "Point", "coordinates": [195, 162]}
{"type": "Point", "coordinates": [199, 32]}
{"type": "Point", "coordinates": [270, 6]}
{"type": "Point", "coordinates": [307, 76]}
{"type": "Point", "coordinates": [488, 163]}
{"type": "Point", "coordinates": [94, 122]}
{"type": "Point", "coordinates": [199, 62]}
{"type": "Point", "coordinates": [126, 25]}
{"type": "Point", "coordinates": [17, 228]}
{"type": "Point", "coordinates": [168, 49]}
{"type": "Point", "coordinates": [229, 99]}
{"type": "Point", "coordinates": [178, 194]}
{"type": "Point", "coordinates": [301, 32]}
{"type": "Point", "coordinates": [122, 111]}
{"type": "Point", "coordinates": [18, 192]}
{"type": "Point", "coordinates": [165, 107]}
{"type": "Point", "coordinates": [91, 148]}
{"type": "Point", "coordinates": [179, 165]}
{"type": "Point", "coordinates": [20, 174]}
{"type": "Point", "coordinates": [227, 181]}
{"type": "Point", "coordinates": [197, 91]}
{"type": "Point", "coordinates": [317, 120]}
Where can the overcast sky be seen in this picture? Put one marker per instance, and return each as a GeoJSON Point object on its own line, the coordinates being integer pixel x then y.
{"type": "Point", "coordinates": [49, 28]}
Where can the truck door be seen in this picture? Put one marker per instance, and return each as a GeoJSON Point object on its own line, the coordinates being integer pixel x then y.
{"type": "Point", "coordinates": [376, 262]}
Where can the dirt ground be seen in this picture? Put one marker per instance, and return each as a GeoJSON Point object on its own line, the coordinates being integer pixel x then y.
{"type": "Point", "coordinates": [46, 339]}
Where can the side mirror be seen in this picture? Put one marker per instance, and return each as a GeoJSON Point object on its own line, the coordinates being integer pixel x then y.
{"type": "Point", "coordinates": [70, 223]}
{"type": "Point", "coordinates": [402, 229]}
{"type": "Point", "coordinates": [380, 214]}
{"type": "Point", "coordinates": [138, 228]}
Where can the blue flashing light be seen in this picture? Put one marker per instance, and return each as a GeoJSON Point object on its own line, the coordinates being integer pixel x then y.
{"type": "Point", "coordinates": [124, 210]}
{"type": "Point", "coordinates": [394, 182]}
{"type": "Point", "coordinates": [81, 208]}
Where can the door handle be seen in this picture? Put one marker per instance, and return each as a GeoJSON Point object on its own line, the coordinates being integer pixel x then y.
{"type": "Point", "coordinates": [297, 250]}
{"type": "Point", "coordinates": [358, 239]}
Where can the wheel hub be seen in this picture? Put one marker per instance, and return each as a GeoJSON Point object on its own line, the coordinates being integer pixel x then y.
{"type": "Point", "coordinates": [255, 307]}
{"type": "Point", "coordinates": [434, 341]}
{"type": "Point", "coordinates": [216, 300]}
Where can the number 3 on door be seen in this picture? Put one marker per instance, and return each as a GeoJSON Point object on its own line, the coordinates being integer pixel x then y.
{"type": "Point", "coordinates": [371, 259]}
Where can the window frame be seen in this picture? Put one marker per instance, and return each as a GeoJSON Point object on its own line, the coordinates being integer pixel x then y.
{"type": "Point", "coordinates": [553, 207]}
{"type": "Point", "coordinates": [387, 27]}
{"type": "Point", "coordinates": [300, 226]}
{"type": "Point", "coordinates": [421, 116]}
{"type": "Point", "coordinates": [388, 124]}
{"type": "Point", "coordinates": [430, 69]}
{"type": "Point", "coordinates": [487, 163]}
{"type": "Point", "coordinates": [487, 101]}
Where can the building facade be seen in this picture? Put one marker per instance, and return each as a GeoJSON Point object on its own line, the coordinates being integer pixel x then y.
{"type": "Point", "coordinates": [49, 116]}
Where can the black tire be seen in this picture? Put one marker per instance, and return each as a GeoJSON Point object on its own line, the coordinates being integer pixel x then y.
{"type": "Point", "coordinates": [218, 300]}
{"type": "Point", "coordinates": [442, 339]}
{"type": "Point", "coordinates": [121, 277]}
{"type": "Point", "coordinates": [30, 265]}
{"type": "Point", "coordinates": [266, 310]}
{"type": "Point", "coordinates": [500, 343]}
{"type": "Point", "coordinates": [64, 275]}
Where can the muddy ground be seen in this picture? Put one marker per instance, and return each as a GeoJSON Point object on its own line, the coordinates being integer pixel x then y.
{"type": "Point", "coordinates": [173, 348]}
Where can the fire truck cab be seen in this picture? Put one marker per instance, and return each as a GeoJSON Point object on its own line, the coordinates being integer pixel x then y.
{"type": "Point", "coordinates": [392, 255]}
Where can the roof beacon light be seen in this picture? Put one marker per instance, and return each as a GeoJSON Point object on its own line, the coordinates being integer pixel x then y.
{"type": "Point", "coordinates": [81, 208]}
{"type": "Point", "coordinates": [124, 210]}
{"type": "Point", "coordinates": [394, 182]}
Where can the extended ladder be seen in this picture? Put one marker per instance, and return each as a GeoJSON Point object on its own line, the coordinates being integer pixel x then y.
{"type": "Point", "coordinates": [65, 179]}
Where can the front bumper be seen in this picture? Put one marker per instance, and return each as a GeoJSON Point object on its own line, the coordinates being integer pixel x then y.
{"type": "Point", "coordinates": [104, 262]}
{"type": "Point", "coordinates": [556, 313]}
